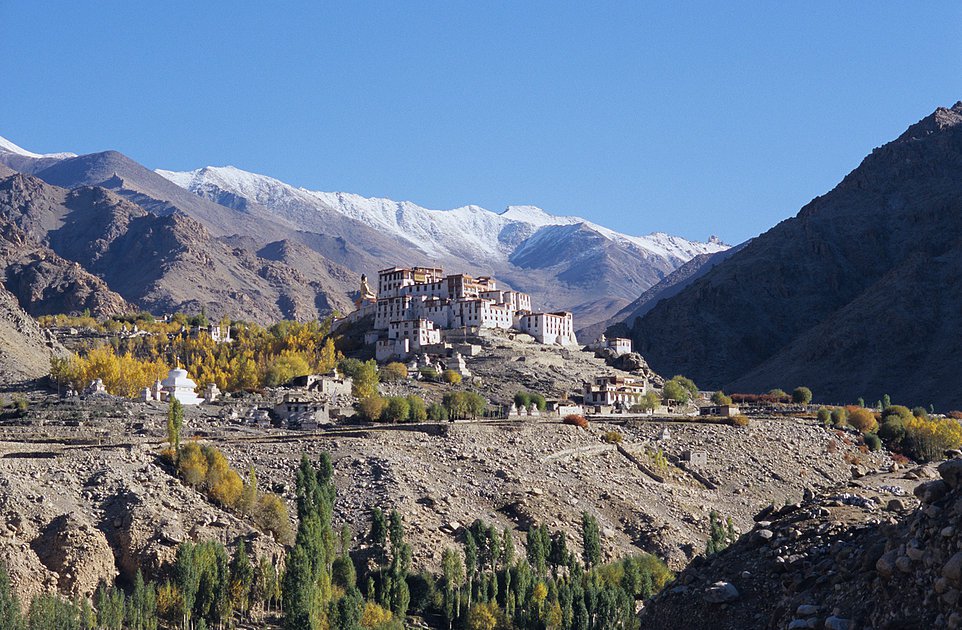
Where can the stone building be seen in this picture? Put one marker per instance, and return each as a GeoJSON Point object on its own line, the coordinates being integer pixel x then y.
{"type": "Point", "coordinates": [411, 303]}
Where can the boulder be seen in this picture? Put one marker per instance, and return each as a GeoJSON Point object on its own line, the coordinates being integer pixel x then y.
{"type": "Point", "coordinates": [951, 472]}
{"type": "Point", "coordinates": [721, 593]}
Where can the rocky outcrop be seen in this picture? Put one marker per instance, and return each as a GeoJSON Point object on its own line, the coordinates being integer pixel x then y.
{"type": "Point", "coordinates": [811, 301]}
{"type": "Point", "coordinates": [864, 557]}
{"type": "Point", "coordinates": [77, 553]}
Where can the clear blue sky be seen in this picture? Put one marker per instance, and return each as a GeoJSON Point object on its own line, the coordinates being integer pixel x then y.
{"type": "Point", "coordinates": [691, 118]}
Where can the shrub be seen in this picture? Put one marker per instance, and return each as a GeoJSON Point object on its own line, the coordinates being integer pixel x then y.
{"type": "Point", "coordinates": [428, 374]}
{"type": "Point", "coordinates": [522, 400]}
{"type": "Point", "coordinates": [927, 440]}
{"type": "Point", "coordinates": [892, 431]}
{"type": "Point", "coordinates": [393, 372]}
{"type": "Point", "coordinates": [451, 377]}
{"type": "Point", "coordinates": [897, 410]}
{"type": "Point", "coordinates": [802, 395]}
{"type": "Point", "coordinates": [612, 437]}
{"type": "Point", "coordinates": [839, 417]}
{"type": "Point", "coordinates": [270, 515]}
{"type": "Point", "coordinates": [719, 398]}
{"type": "Point", "coordinates": [396, 409]}
{"type": "Point", "coordinates": [437, 413]}
{"type": "Point", "coordinates": [192, 464]}
{"type": "Point", "coordinates": [872, 441]}
{"type": "Point", "coordinates": [778, 394]}
{"type": "Point", "coordinates": [417, 412]}
{"type": "Point", "coordinates": [955, 415]}
{"type": "Point", "coordinates": [738, 421]}
{"type": "Point", "coordinates": [538, 401]}
{"type": "Point", "coordinates": [577, 420]}
{"type": "Point", "coordinates": [824, 417]}
{"type": "Point", "coordinates": [223, 484]}
{"type": "Point", "coordinates": [863, 420]}
{"type": "Point", "coordinates": [920, 412]}
{"type": "Point", "coordinates": [372, 407]}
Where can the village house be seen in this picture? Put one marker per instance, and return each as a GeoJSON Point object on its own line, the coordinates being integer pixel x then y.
{"type": "Point", "coordinates": [615, 391]}
{"type": "Point", "coordinates": [414, 306]}
{"type": "Point", "coordinates": [302, 412]}
{"type": "Point", "coordinates": [725, 411]}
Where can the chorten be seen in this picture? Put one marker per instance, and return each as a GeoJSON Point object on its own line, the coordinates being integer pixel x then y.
{"type": "Point", "coordinates": [179, 385]}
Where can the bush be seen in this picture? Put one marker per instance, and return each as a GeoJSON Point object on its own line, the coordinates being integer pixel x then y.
{"type": "Point", "coordinates": [899, 411]}
{"type": "Point", "coordinates": [824, 417]}
{"type": "Point", "coordinates": [372, 407]}
{"type": "Point", "coordinates": [417, 411]}
{"type": "Point", "coordinates": [802, 395]}
{"type": "Point", "coordinates": [576, 420]}
{"type": "Point", "coordinates": [839, 417]}
{"type": "Point", "coordinates": [270, 515]}
{"type": "Point", "coordinates": [863, 420]}
{"type": "Point", "coordinates": [738, 421]}
{"type": "Point", "coordinates": [892, 431]}
{"type": "Point", "coordinates": [396, 410]}
{"type": "Point", "coordinates": [927, 440]}
{"type": "Point", "coordinates": [612, 437]}
{"type": "Point", "coordinates": [451, 377]}
{"type": "Point", "coordinates": [872, 441]}
{"type": "Point", "coordinates": [522, 400]}
{"type": "Point", "coordinates": [223, 484]}
{"type": "Point", "coordinates": [192, 464]}
{"type": "Point", "coordinates": [437, 413]}
{"type": "Point", "coordinates": [719, 398]}
{"type": "Point", "coordinates": [955, 415]}
{"type": "Point", "coordinates": [428, 374]}
{"type": "Point", "coordinates": [538, 401]}
{"type": "Point", "coordinates": [920, 412]}
{"type": "Point", "coordinates": [393, 372]}
{"type": "Point", "coordinates": [778, 394]}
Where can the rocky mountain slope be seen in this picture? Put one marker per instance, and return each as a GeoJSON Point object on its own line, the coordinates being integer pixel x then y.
{"type": "Point", "coordinates": [851, 297]}
{"type": "Point", "coordinates": [67, 250]}
{"type": "Point", "coordinates": [25, 349]}
{"type": "Point", "coordinates": [862, 557]}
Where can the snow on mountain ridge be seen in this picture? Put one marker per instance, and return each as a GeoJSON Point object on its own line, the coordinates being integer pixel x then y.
{"type": "Point", "coordinates": [470, 232]}
{"type": "Point", "coordinates": [9, 147]}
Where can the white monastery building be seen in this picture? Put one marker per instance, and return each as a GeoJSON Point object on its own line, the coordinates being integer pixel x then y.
{"type": "Point", "coordinates": [413, 306]}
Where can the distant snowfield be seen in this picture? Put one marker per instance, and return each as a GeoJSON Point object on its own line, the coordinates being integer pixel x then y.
{"type": "Point", "coordinates": [8, 147]}
{"type": "Point", "coordinates": [468, 231]}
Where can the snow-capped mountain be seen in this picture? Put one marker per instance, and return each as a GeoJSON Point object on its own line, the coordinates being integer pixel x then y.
{"type": "Point", "coordinates": [8, 147]}
{"type": "Point", "coordinates": [564, 262]}
{"type": "Point", "coordinates": [468, 232]}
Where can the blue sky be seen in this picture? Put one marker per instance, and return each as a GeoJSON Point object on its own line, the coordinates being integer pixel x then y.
{"type": "Point", "coordinates": [686, 117]}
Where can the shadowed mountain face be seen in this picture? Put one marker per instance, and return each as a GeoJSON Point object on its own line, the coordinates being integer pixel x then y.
{"type": "Point", "coordinates": [855, 296]}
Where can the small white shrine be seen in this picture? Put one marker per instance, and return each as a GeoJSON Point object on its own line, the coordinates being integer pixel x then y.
{"type": "Point", "coordinates": [179, 385]}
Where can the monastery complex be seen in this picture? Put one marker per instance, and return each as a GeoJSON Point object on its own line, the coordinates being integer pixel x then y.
{"type": "Point", "coordinates": [414, 306]}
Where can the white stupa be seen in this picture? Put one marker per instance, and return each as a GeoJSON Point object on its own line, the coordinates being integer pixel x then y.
{"type": "Point", "coordinates": [179, 385]}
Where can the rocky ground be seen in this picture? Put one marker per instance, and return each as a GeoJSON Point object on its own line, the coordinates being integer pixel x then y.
{"type": "Point", "coordinates": [83, 496]}
{"type": "Point", "coordinates": [882, 552]}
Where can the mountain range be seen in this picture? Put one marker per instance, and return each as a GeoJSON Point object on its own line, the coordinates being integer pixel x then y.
{"type": "Point", "coordinates": [856, 296]}
{"type": "Point", "coordinates": [248, 245]}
